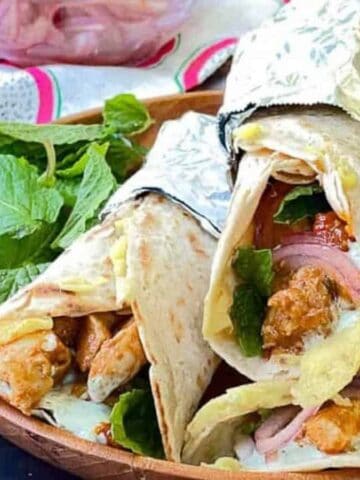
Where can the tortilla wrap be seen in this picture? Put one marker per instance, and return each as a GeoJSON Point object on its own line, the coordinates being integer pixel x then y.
{"type": "Point", "coordinates": [296, 146]}
{"type": "Point", "coordinates": [151, 259]}
{"type": "Point", "coordinates": [214, 431]}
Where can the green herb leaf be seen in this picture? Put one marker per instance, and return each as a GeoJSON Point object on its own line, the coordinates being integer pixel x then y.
{"type": "Point", "coordinates": [75, 169]}
{"type": "Point", "coordinates": [34, 248]}
{"type": "Point", "coordinates": [124, 157]}
{"type": "Point", "coordinates": [248, 428]}
{"type": "Point", "coordinates": [54, 134]}
{"type": "Point", "coordinates": [68, 189]}
{"type": "Point", "coordinates": [255, 267]}
{"type": "Point", "coordinates": [301, 202]}
{"type": "Point", "coordinates": [11, 280]}
{"type": "Point", "coordinates": [24, 204]}
{"type": "Point", "coordinates": [247, 314]}
{"type": "Point", "coordinates": [48, 179]}
{"type": "Point", "coordinates": [125, 114]}
{"type": "Point", "coordinates": [67, 155]}
{"type": "Point", "coordinates": [134, 424]}
{"type": "Point", "coordinates": [96, 186]}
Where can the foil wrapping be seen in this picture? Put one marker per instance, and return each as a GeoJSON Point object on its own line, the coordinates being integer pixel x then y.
{"type": "Point", "coordinates": [307, 54]}
{"type": "Point", "coordinates": [188, 165]}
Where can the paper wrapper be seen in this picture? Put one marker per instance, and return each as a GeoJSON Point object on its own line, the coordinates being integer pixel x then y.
{"type": "Point", "coordinates": [188, 165]}
{"type": "Point", "coordinates": [308, 53]}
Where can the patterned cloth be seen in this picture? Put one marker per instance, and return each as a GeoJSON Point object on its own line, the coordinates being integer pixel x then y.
{"type": "Point", "coordinates": [207, 40]}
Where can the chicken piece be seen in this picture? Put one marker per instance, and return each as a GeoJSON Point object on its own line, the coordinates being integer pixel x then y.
{"type": "Point", "coordinates": [117, 362]}
{"type": "Point", "coordinates": [332, 429]}
{"type": "Point", "coordinates": [94, 331]}
{"type": "Point", "coordinates": [30, 366]}
{"type": "Point", "coordinates": [67, 328]}
{"type": "Point", "coordinates": [305, 305]}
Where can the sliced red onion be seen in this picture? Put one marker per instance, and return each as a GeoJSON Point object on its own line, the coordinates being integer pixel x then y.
{"type": "Point", "coordinates": [244, 447]}
{"type": "Point", "coordinates": [284, 436]}
{"type": "Point", "coordinates": [278, 419]}
{"type": "Point", "coordinates": [333, 261]}
{"type": "Point", "coordinates": [306, 237]}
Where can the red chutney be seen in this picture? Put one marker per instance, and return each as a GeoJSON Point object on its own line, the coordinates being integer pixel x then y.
{"type": "Point", "coordinates": [104, 429]}
{"type": "Point", "coordinates": [330, 228]}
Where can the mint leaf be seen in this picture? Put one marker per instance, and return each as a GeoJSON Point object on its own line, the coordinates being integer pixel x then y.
{"type": "Point", "coordinates": [301, 202]}
{"type": "Point", "coordinates": [255, 267]}
{"type": "Point", "coordinates": [124, 157]}
{"type": "Point", "coordinates": [125, 114]}
{"type": "Point", "coordinates": [134, 424]}
{"type": "Point", "coordinates": [55, 134]}
{"type": "Point", "coordinates": [11, 280]}
{"type": "Point", "coordinates": [247, 315]}
{"type": "Point", "coordinates": [68, 189]}
{"type": "Point", "coordinates": [67, 155]}
{"type": "Point", "coordinates": [34, 248]}
{"type": "Point", "coordinates": [96, 186]}
{"type": "Point", "coordinates": [76, 169]}
{"type": "Point", "coordinates": [24, 204]}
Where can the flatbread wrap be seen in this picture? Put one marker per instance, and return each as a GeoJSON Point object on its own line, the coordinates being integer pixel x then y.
{"type": "Point", "coordinates": [257, 427]}
{"type": "Point", "coordinates": [127, 294]}
{"type": "Point", "coordinates": [284, 291]}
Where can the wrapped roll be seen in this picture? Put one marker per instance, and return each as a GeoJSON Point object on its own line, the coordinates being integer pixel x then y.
{"type": "Point", "coordinates": [257, 427]}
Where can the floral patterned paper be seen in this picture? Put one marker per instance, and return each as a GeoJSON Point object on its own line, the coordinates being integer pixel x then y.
{"type": "Point", "coordinates": [306, 54]}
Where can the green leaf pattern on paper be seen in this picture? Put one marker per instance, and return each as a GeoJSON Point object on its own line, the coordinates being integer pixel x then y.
{"type": "Point", "coordinates": [310, 52]}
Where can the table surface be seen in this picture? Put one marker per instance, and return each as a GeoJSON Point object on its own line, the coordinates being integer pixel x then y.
{"type": "Point", "coordinates": [16, 464]}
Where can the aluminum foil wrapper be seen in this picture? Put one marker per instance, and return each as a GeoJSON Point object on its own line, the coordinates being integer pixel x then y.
{"type": "Point", "coordinates": [188, 165]}
{"type": "Point", "coordinates": [307, 54]}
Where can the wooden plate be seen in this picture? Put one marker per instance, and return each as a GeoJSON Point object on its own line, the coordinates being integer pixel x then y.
{"type": "Point", "coordinates": [94, 461]}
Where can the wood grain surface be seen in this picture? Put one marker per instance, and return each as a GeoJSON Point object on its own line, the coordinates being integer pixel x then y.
{"type": "Point", "coordinates": [94, 461]}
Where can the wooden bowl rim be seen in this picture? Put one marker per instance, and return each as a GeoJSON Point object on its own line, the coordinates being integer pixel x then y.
{"type": "Point", "coordinates": [94, 112]}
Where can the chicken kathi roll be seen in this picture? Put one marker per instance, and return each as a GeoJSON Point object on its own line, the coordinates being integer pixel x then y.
{"type": "Point", "coordinates": [107, 341]}
{"type": "Point", "coordinates": [257, 427]}
{"type": "Point", "coordinates": [284, 297]}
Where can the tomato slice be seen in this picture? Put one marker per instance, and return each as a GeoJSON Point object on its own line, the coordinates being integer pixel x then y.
{"type": "Point", "coordinates": [267, 233]}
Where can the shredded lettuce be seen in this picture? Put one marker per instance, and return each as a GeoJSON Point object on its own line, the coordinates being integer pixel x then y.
{"type": "Point", "coordinates": [253, 268]}
{"type": "Point", "coordinates": [301, 202]}
{"type": "Point", "coordinates": [134, 424]}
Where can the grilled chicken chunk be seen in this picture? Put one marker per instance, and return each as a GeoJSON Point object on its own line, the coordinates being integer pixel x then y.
{"type": "Point", "coordinates": [30, 366]}
{"type": "Point", "coordinates": [95, 329]}
{"type": "Point", "coordinates": [305, 305]}
{"type": "Point", "coordinates": [117, 362]}
{"type": "Point", "coordinates": [67, 328]}
{"type": "Point", "coordinates": [333, 428]}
